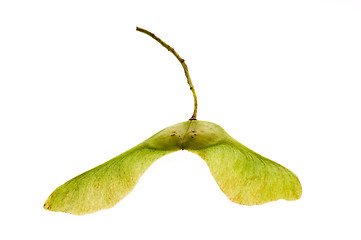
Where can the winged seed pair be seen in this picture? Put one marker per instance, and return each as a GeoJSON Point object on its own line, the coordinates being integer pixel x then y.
{"type": "Point", "coordinates": [243, 175]}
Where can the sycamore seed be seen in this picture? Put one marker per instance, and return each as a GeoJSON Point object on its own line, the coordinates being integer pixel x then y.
{"type": "Point", "coordinates": [244, 176]}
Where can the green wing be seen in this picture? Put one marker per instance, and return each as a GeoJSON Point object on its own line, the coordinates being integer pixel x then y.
{"type": "Point", "coordinates": [248, 178]}
{"type": "Point", "coordinates": [103, 186]}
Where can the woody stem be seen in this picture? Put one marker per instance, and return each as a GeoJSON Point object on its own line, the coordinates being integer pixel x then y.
{"type": "Point", "coordinates": [184, 65]}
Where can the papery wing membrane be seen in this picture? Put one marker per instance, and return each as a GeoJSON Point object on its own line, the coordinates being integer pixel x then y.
{"type": "Point", "coordinates": [103, 186]}
{"type": "Point", "coordinates": [248, 178]}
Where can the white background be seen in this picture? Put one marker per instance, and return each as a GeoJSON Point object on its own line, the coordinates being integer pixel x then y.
{"type": "Point", "coordinates": [79, 86]}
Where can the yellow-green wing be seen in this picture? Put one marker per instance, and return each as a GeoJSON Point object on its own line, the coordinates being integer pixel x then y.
{"type": "Point", "coordinates": [103, 186]}
{"type": "Point", "coordinates": [248, 178]}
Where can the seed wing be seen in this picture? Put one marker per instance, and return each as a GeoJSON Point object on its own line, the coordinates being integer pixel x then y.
{"type": "Point", "coordinates": [105, 185]}
{"type": "Point", "coordinates": [248, 178]}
